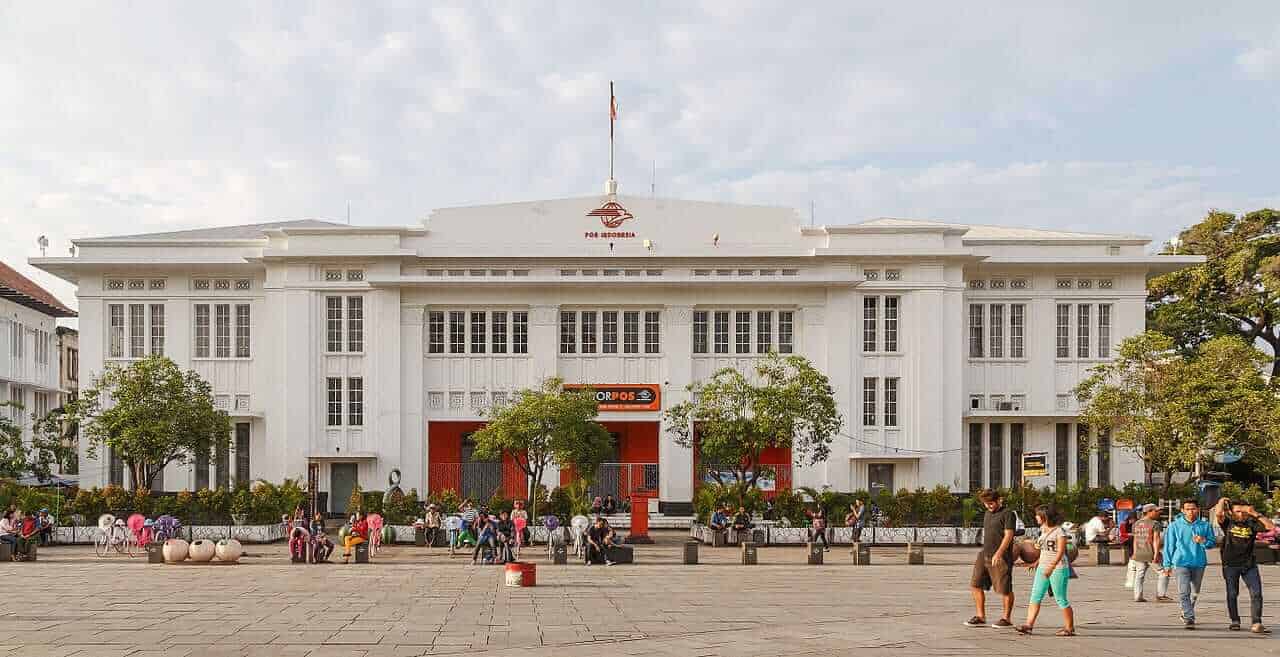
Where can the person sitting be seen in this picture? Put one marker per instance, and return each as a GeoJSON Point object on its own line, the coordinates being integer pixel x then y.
{"type": "Point", "coordinates": [486, 536]}
{"type": "Point", "coordinates": [597, 506]}
{"type": "Point", "coordinates": [46, 524]}
{"type": "Point", "coordinates": [431, 524]}
{"type": "Point", "coordinates": [28, 537]}
{"type": "Point", "coordinates": [609, 506]}
{"type": "Point", "coordinates": [719, 520]}
{"type": "Point", "coordinates": [323, 546]}
{"type": "Point", "coordinates": [742, 523]}
{"type": "Point", "coordinates": [598, 543]}
{"type": "Point", "coordinates": [299, 544]}
{"type": "Point", "coordinates": [9, 531]}
{"type": "Point", "coordinates": [359, 534]}
{"type": "Point", "coordinates": [1097, 530]}
{"type": "Point", "coordinates": [612, 538]}
{"type": "Point", "coordinates": [506, 538]}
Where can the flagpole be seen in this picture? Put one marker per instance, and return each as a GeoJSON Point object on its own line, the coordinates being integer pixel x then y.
{"type": "Point", "coordinates": [611, 187]}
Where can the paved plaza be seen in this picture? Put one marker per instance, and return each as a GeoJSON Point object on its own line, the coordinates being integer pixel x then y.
{"type": "Point", "coordinates": [414, 601]}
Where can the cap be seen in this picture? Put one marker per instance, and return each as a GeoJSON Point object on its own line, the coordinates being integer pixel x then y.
{"type": "Point", "coordinates": [1148, 508]}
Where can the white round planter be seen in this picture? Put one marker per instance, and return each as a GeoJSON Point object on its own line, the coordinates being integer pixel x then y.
{"type": "Point", "coordinates": [175, 550]}
{"type": "Point", "coordinates": [229, 550]}
{"type": "Point", "coordinates": [202, 550]}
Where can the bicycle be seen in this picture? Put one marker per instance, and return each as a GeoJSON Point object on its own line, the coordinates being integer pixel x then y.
{"type": "Point", "coordinates": [115, 536]}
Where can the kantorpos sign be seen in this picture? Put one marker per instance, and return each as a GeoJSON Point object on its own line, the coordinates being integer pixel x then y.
{"type": "Point", "coordinates": [1035, 464]}
{"type": "Point", "coordinates": [625, 396]}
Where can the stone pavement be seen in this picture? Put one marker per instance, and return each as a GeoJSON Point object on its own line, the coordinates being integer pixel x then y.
{"type": "Point", "coordinates": [414, 601]}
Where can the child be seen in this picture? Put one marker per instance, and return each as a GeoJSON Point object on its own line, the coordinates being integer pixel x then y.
{"type": "Point", "coordinates": [323, 546]}
{"type": "Point", "coordinates": [1051, 568]}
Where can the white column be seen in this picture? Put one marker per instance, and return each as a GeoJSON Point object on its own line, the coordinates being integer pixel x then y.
{"type": "Point", "coordinates": [413, 428]}
{"type": "Point", "coordinates": [675, 463]}
{"type": "Point", "coordinates": [813, 345]}
{"type": "Point", "coordinates": [839, 368]}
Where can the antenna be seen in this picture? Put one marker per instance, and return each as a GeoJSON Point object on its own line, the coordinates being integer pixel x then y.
{"type": "Point", "coordinates": [812, 213]}
{"type": "Point", "coordinates": [653, 181]}
{"type": "Point", "coordinates": [43, 243]}
{"type": "Point", "coordinates": [348, 213]}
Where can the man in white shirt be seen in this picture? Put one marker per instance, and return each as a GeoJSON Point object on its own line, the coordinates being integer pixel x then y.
{"type": "Point", "coordinates": [1095, 531]}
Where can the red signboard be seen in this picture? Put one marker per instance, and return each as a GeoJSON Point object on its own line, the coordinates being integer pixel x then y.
{"type": "Point", "coordinates": [625, 396]}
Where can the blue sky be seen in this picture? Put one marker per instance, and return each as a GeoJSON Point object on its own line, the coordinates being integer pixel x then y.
{"type": "Point", "coordinates": [1121, 117]}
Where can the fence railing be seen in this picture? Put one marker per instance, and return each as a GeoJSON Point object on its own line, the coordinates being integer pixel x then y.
{"type": "Point", "coordinates": [478, 480]}
{"type": "Point", "coordinates": [770, 480]}
{"type": "Point", "coordinates": [623, 480]}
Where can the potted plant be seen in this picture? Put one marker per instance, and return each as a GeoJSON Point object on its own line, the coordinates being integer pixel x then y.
{"type": "Point", "coordinates": [241, 504]}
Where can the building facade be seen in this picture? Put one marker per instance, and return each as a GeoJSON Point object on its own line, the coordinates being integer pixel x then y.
{"type": "Point", "coordinates": [29, 353]}
{"type": "Point", "coordinates": [345, 352]}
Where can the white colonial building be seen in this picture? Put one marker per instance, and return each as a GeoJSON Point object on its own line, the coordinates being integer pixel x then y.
{"type": "Point", "coordinates": [344, 352]}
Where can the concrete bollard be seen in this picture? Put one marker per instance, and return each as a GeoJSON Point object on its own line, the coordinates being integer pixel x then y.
{"type": "Point", "coordinates": [155, 553]}
{"type": "Point", "coordinates": [1102, 554]}
{"type": "Point", "coordinates": [560, 554]}
{"type": "Point", "coordinates": [362, 552]}
{"type": "Point", "coordinates": [691, 553]}
{"type": "Point", "coordinates": [861, 554]}
{"type": "Point", "coordinates": [815, 554]}
{"type": "Point", "coordinates": [419, 537]}
{"type": "Point", "coordinates": [718, 539]}
{"type": "Point", "coordinates": [915, 554]}
{"type": "Point", "coordinates": [749, 553]}
{"type": "Point", "coordinates": [6, 552]}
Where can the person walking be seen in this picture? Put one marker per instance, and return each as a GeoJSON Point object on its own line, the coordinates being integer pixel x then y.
{"type": "Point", "coordinates": [1146, 552]}
{"type": "Point", "coordinates": [993, 568]}
{"type": "Point", "coordinates": [856, 519]}
{"type": "Point", "coordinates": [1185, 543]}
{"type": "Point", "coordinates": [1240, 528]}
{"type": "Point", "coordinates": [1051, 570]}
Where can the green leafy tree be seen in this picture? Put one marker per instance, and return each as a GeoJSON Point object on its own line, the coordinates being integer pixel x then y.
{"type": "Point", "coordinates": [545, 425]}
{"type": "Point", "coordinates": [733, 418]}
{"type": "Point", "coordinates": [1236, 291]}
{"type": "Point", "coordinates": [1175, 409]}
{"type": "Point", "coordinates": [31, 455]}
{"type": "Point", "coordinates": [150, 414]}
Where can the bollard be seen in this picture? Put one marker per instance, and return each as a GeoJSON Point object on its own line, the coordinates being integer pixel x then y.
{"type": "Point", "coordinates": [560, 554]}
{"type": "Point", "coordinates": [6, 552]}
{"type": "Point", "coordinates": [861, 554]}
{"type": "Point", "coordinates": [154, 553]}
{"type": "Point", "coordinates": [419, 537]}
{"type": "Point", "coordinates": [748, 553]}
{"type": "Point", "coordinates": [1102, 554]}
{"type": "Point", "coordinates": [691, 553]}
{"type": "Point", "coordinates": [915, 554]}
{"type": "Point", "coordinates": [815, 554]}
{"type": "Point", "coordinates": [362, 552]}
{"type": "Point", "coordinates": [718, 539]}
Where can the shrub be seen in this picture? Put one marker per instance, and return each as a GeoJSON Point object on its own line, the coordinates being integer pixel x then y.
{"type": "Point", "coordinates": [356, 501]}
{"type": "Point", "coordinates": [448, 500]}
{"type": "Point", "coordinates": [710, 495]}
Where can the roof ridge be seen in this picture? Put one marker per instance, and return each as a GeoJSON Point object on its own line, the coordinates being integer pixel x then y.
{"type": "Point", "coordinates": [208, 232]}
{"type": "Point", "coordinates": [22, 290]}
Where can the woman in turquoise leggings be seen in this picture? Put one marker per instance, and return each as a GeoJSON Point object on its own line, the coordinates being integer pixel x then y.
{"type": "Point", "coordinates": [1051, 570]}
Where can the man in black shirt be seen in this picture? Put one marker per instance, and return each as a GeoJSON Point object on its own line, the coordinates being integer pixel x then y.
{"type": "Point", "coordinates": [598, 542]}
{"type": "Point", "coordinates": [993, 568]}
{"type": "Point", "coordinates": [1240, 529]}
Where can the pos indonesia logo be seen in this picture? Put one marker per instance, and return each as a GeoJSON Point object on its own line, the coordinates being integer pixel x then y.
{"type": "Point", "coordinates": [611, 214]}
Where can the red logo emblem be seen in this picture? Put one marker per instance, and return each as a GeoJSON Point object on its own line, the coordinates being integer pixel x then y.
{"type": "Point", "coordinates": [611, 214]}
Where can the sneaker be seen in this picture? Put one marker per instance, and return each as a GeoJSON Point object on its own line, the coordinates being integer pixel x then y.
{"type": "Point", "coordinates": [1234, 627]}
{"type": "Point", "coordinates": [1259, 628]}
{"type": "Point", "coordinates": [1189, 623]}
{"type": "Point", "coordinates": [1164, 598]}
{"type": "Point", "coordinates": [1002, 624]}
{"type": "Point", "coordinates": [1139, 599]}
{"type": "Point", "coordinates": [608, 563]}
{"type": "Point", "coordinates": [976, 621]}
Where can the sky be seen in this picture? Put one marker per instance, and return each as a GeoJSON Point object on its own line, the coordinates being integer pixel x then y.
{"type": "Point", "coordinates": [1127, 117]}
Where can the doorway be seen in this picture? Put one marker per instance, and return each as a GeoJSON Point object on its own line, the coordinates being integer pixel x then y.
{"type": "Point", "coordinates": [342, 480]}
{"type": "Point", "coordinates": [880, 477]}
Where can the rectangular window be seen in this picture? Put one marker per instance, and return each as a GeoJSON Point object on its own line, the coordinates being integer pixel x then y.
{"type": "Point", "coordinates": [870, 318]}
{"type": "Point", "coordinates": [1061, 453]}
{"type": "Point", "coordinates": [157, 329]}
{"type": "Point", "coordinates": [869, 402]}
{"type": "Point", "coordinates": [222, 330]}
{"type": "Point", "coordinates": [1082, 455]}
{"type": "Point", "coordinates": [975, 457]}
{"type": "Point", "coordinates": [742, 335]}
{"type": "Point", "coordinates": [498, 321]}
{"type": "Point", "coordinates": [652, 332]}
{"type": "Point", "coordinates": [1104, 457]}
{"type": "Point", "coordinates": [137, 330]}
{"type": "Point", "coordinates": [1017, 330]}
{"type": "Point", "coordinates": [976, 338]}
{"type": "Point", "coordinates": [1017, 435]}
{"type": "Point", "coordinates": [355, 401]}
{"type": "Point", "coordinates": [335, 402]}
{"type": "Point", "coordinates": [115, 330]}
{"type": "Point", "coordinates": [568, 332]}
{"type": "Point", "coordinates": [435, 332]}
{"type": "Point", "coordinates": [590, 332]}
{"type": "Point", "coordinates": [202, 332]}
{"type": "Point", "coordinates": [1063, 331]}
{"type": "Point", "coordinates": [995, 451]}
{"type": "Point", "coordinates": [700, 332]}
{"type": "Point", "coordinates": [609, 331]}
{"type": "Point", "coordinates": [631, 332]}
{"type": "Point", "coordinates": [997, 330]}
{"type": "Point", "coordinates": [355, 324]}
{"type": "Point", "coordinates": [722, 331]}
{"type": "Point", "coordinates": [1104, 330]}
{"type": "Point", "coordinates": [891, 402]}
{"type": "Point", "coordinates": [202, 471]}
{"type": "Point", "coordinates": [242, 452]}
{"type": "Point", "coordinates": [478, 340]}
{"type": "Point", "coordinates": [786, 331]}
{"type": "Point", "coordinates": [1082, 331]}
{"type": "Point", "coordinates": [242, 330]}
{"type": "Point", "coordinates": [222, 461]}
{"type": "Point", "coordinates": [333, 323]}
{"type": "Point", "coordinates": [764, 331]}
{"type": "Point", "coordinates": [457, 332]}
{"type": "Point", "coordinates": [891, 324]}
{"type": "Point", "coordinates": [520, 332]}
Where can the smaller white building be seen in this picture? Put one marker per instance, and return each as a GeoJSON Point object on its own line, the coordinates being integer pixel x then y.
{"type": "Point", "coordinates": [29, 358]}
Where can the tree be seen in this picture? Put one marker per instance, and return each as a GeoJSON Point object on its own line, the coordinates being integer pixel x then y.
{"type": "Point", "coordinates": [150, 414]}
{"type": "Point", "coordinates": [1174, 409]}
{"type": "Point", "coordinates": [19, 456]}
{"type": "Point", "coordinates": [1236, 291]}
{"type": "Point", "coordinates": [545, 425]}
{"type": "Point", "coordinates": [732, 418]}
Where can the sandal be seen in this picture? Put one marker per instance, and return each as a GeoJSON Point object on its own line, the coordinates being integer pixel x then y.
{"type": "Point", "coordinates": [1065, 632]}
{"type": "Point", "coordinates": [1024, 629]}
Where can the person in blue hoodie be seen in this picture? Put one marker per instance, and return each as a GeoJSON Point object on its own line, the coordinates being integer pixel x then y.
{"type": "Point", "coordinates": [1185, 543]}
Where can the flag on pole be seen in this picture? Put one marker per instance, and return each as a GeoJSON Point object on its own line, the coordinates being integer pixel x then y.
{"type": "Point", "coordinates": [613, 104]}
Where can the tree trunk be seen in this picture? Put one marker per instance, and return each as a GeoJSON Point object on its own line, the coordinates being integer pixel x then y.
{"type": "Point", "coordinates": [534, 482]}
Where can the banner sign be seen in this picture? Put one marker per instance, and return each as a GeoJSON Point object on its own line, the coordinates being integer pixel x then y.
{"type": "Point", "coordinates": [624, 396]}
{"type": "Point", "coordinates": [1035, 464]}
